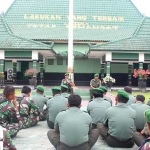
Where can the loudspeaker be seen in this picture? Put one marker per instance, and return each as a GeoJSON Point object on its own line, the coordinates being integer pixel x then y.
{"type": "Point", "coordinates": [9, 74]}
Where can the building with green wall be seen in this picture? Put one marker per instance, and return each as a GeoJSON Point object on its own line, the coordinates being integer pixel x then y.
{"type": "Point", "coordinates": [111, 37]}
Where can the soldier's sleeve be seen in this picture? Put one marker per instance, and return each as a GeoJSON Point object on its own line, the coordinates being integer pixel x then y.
{"type": "Point", "coordinates": [106, 118]}
{"type": "Point", "coordinates": [91, 82]}
{"type": "Point", "coordinates": [56, 126]}
{"type": "Point", "coordinates": [99, 82]}
{"type": "Point", "coordinates": [62, 82]}
{"type": "Point", "coordinates": [8, 143]}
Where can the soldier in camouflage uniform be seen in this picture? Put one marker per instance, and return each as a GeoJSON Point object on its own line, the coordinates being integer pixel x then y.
{"type": "Point", "coordinates": [29, 111]}
{"type": "Point", "coordinates": [9, 115]}
{"type": "Point", "coordinates": [7, 141]}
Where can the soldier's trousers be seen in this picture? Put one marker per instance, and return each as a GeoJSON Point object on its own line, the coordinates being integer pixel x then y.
{"type": "Point", "coordinates": [54, 138]}
{"type": "Point", "coordinates": [138, 138]}
{"type": "Point", "coordinates": [7, 141]}
{"type": "Point", "coordinates": [44, 115]}
{"type": "Point", "coordinates": [29, 121]}
{"type": "Point", "coordinates": [112, 141]}
{"type": "Point", "coordinates": [13, 128]}
{"type": "Point", "coordinates": [91, 93]}
{"type": "Point", "coordinates": [50, 124]}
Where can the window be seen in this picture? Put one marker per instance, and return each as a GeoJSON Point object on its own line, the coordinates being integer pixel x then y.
{"type": "Point", "coordinates": [50, 61]}
{"type": "Point", "coordinates": [59, 61]}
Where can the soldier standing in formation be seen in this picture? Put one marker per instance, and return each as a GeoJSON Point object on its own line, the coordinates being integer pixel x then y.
{"type": "Point", "coordinates": [119, 123]}
{"type": "Point", "coordinates": [55, 105]}
{"type": "Point", "coordinates": [9, 115]}
{"type": "Point", "coordinates": [40, 101]}
{"type": "Point", "coordinates": [29, 111]}
{"type": "Point", "coordinates": [73, 128]}
{"type": "Point", "coordinates": [68, 82]}
{"type": "Point", "coordinates": [94, 83]}
{"type": "Point", "coordinates": [64, 90]}
{"type": "Point", "coordinates": [97, 107]}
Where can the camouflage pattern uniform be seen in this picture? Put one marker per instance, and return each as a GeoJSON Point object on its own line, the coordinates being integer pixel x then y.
{"type": "Point", "coordinates": [7, 141]}
{"type": "Point", "coordinates": [9, 117]}
{"type": "Point", "coordinates": [145, 145]}
{"type": "Point", "coordinates": [29, 112]}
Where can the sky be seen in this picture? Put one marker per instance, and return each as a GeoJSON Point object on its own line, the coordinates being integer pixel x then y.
{"type": "Point", "coordinates": [142, 5]}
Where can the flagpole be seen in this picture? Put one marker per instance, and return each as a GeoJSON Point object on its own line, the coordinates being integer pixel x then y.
{"type": "Point", "coordinates": [70, 41]}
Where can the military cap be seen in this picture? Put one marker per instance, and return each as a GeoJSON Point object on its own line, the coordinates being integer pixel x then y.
{"type": "Point", "coordinates": [66, 74]}
{"type": "Point", "coordinates": [56, 89]}
{"type": "Point", "coordinates": [40, 88]}
{"type": "Point", "coordinates": [98, 90]}
{"type": "Point", "coordinates": [147, 115]}
{"type": "Point", "coordinates": [96, 75]}
{"type": "Point", "coordinates": [103, 88]}
{"type": "Point", "coordinates": [64, 86]}
{"type": "Point", "coordinates": [123, 94]}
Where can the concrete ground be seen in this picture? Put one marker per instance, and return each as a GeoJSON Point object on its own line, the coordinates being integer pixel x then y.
{"type": "Point", "coordinates": [35, 138]}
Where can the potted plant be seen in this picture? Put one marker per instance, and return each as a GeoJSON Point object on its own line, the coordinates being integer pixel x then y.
{"type": "Point", "coordinates": [32, 74]}
{"type": "Point", "coordinates": [108, 80]}
{"type": "Point", "coordinates": [2, 79]}
{"type": "Point", "coordinates": [142, 76]}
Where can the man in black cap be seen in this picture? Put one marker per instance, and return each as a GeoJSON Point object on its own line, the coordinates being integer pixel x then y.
{"type": "Point", "coordinates": [68, 82]}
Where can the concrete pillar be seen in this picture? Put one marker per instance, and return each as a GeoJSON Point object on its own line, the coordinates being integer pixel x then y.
{"type": "Point", "coordinates": [141, 61]}
{"type": "Point", "coordinates": [41, 72]}
{"type": "Point", "coordinates": [14, 61]}
{"type": "Point", "coordinates": [2, 58]}
{"type": "Point", "coordinates": [108, 59]}
{"type": "Point", "coordinates": [130, 70]}
{"type": "Point", "coordinates": [34, 59]}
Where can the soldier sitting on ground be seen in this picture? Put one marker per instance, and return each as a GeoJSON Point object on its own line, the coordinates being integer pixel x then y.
{"type": "Point", "coordinates": [140, 108]}
{"type": "Point", "coordinates": [94, 83]}
{"type": "Point", "coordinates": [55, 105]}
{"type": "Point", "coordinates": [146, 144]}
{"type": "Point", "coordinates": [7, 141]}
{"type": "Point", "coordinates": [131, 100]}
{"type": "Point", "coordinates": [105, 97]}
{"type": "Point", "coordinates": [119, 124]}
{"type": "Point", "coordinates": [68, 82]}
{"type": "Point", "coordinates": [29, 111]}
{"type": "Point", "coordinates": [9, 115]}
{"type": "Point", "coordinates": [64, 91]}
{"type": "Point", "coordinates": [97, 107]}
{"type": "Point", "coordinates": [73, 128]}
{"type": "Point", "coordinates": [40, 101]}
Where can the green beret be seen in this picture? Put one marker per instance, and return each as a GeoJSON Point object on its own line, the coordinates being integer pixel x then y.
{"type": "Point", "coordinates": [103, 88]}
{"type": "Point", "coordinates": [56, 89]}
{"type": "Point", "coordinates": [123, 94]}
{"type": "Point", "coordinates": [64, 86]}
{"type": "Point", "coordinates": [147, 115]}
{"type": "Point", "coordinates": [98, 90]}
{"type": "Point", "coordinates": [40, 88]}
{"type": "Point", "coordinates": [96, 75]}
{"type": "Point", "coordinates": [66, 74]}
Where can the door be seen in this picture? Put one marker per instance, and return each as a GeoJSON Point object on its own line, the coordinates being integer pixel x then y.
{"type": "Point", "coordinates": [24, 67]}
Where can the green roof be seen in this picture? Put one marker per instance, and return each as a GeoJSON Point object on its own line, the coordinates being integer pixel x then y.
{"type": "Point", "coordinates": [94, 20]}
{"type": "Point", "coordinates": [139, 42]}
{"type": "Point", "coordinates": [9, 41]}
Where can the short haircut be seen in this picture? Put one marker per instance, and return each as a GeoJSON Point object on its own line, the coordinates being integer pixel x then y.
{"type": "Point", "coordinates": [56, 92]}
{"type": "Point", "coordinates": [128, 89]}
{"type": "Point", "coordinates": [38, 91]}
{"type": "Point", "coordinates": [8, 90]}
{"type": "Point", "coordinates": [122, 99]}
{"type": "Point", "coordinates": [63, 90]}
{"type": "Point", "coordinates": [98, 94]}
{"type": "Point", "coordinates": [26, 90]}
{"type": "Point", "coordinates": [140, 98]}
{"type": "Point", "coordinates": [74, 100]}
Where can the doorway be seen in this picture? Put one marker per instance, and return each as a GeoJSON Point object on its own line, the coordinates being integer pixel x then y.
{"type": "Point", "coordinates": [24, 67]}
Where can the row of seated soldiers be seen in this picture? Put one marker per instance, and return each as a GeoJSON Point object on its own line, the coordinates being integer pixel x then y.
{"type": "Point", "coordinates": [72, 127]}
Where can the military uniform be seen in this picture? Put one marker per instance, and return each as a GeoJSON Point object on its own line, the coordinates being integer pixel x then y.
{"type": "Point", "coordinates": [96, 109]}
{"type": "Point", "coordinates": [75, 131]}
{"type": "Point", "coordinates": [140, 108]}
{"type": "Point", "coordinates": [146, 144]}
{"type": "Point", "coordinates": [120, 121]}
{"type": "Point", "coordinates": [7, 141]}
{"type": "Point", "coordinates": [131, 99]}
{"type": "Point", "coordinates": [29, 112]}
{"type": "Point", "coordinates": [65, 94]}
{"type": "Point", "coordinates": [105, 97]}
{"type": "Point", "coordinates": [40, 101]}
{"type": "Point", "coordinates": [54, 106]}
{"type": "Point", "coordinates": [9, 117]}
{"type": "Point", "coordinates": [94, 83]}
{"type": "Point", "coordinates": [67, 82]}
